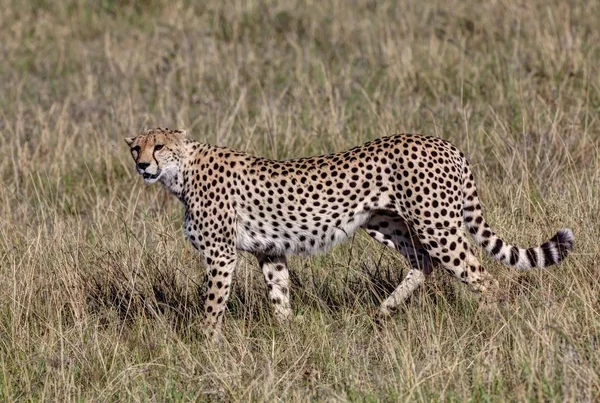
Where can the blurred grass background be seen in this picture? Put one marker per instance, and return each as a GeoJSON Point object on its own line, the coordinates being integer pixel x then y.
{"type": "Point", "coordinates": [100, 294]}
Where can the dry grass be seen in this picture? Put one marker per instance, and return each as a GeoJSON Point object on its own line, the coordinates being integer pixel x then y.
{"type": "Point", "coordinates": [101, 295]}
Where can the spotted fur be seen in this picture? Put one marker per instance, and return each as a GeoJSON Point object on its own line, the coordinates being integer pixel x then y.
{"type": "Point", "coordinates": [415, 194]}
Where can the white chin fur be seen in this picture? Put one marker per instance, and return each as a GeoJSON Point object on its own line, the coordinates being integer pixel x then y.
{"type": "Point", "coordinates": [150, 181]}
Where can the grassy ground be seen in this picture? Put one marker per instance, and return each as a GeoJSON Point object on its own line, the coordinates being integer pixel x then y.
{"type": "Point", "coordinates": [100, 294]}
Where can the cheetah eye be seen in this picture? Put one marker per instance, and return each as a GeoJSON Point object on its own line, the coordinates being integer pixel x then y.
{"type": "Point", "coordinates": [158, 147]}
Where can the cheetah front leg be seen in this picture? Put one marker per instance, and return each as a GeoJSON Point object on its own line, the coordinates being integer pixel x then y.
{"type": "Point", "coordinates": [220, 258]}
{"type": "Point", "coordinates": [220, 266]}
{"type": "Point", "coordinates": [277, 277]}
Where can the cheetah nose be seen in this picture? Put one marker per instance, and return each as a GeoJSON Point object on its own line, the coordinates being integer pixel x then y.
{"type": "Point", "coordinates": [143, 165]}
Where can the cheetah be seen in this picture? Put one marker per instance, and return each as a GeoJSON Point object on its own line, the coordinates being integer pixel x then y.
{"type": "Point", "coordinates": [415, 194]}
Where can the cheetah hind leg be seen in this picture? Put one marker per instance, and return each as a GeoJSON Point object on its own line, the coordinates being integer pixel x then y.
{"type": "Point", "coordinates": [451, 248]}
{"type": "Point", "coordinates": [392, 231]}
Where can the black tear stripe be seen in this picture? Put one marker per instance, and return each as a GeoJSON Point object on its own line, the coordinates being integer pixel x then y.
{"type": "Point", "coordinates": [532, 256]}
{"type": "Point", "coordinates": [498, 246]}
{"type": "Point", "coordinates": [547, 249]}
{"type": "Point", "coordinates": [514, 255]}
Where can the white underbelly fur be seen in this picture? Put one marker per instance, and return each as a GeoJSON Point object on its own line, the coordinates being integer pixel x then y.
{"type": "Point", "coordinates": [271, 240]}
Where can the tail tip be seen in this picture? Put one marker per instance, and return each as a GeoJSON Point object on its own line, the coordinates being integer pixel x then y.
{"type": "Point", "coordinates": [565, 238]}
{"type": "Point", "coordinates": [564, 241]}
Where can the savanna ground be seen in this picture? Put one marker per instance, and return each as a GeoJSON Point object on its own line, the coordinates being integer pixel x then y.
{"type": "Point", "coordinates": [100, 293]}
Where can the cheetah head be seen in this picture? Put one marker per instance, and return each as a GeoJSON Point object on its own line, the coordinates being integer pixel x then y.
{"type": "Point", "coordinates": [157, 153]}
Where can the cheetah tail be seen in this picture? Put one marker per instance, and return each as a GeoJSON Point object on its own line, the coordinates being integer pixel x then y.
{"type": "Point", "coordinates": [550, 252]}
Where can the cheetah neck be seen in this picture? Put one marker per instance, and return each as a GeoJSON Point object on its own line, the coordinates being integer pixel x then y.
{"type": "Point", "coordinates": [174, 181]}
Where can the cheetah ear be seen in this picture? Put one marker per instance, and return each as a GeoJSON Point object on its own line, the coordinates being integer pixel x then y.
{"type": "Point", "coordinates": [129, 140]}
{"type": "Point", "coordinates": [181, 133]}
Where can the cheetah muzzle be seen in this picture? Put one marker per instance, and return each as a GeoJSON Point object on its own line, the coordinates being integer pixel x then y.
{"type": "Point", "coordinates": [151, 177]}
{"type": "Point", "coordinates": [415, 194]}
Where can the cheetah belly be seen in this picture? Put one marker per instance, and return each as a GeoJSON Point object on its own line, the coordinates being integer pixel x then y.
{"type": "Point", "coordinates": [292, 239]}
